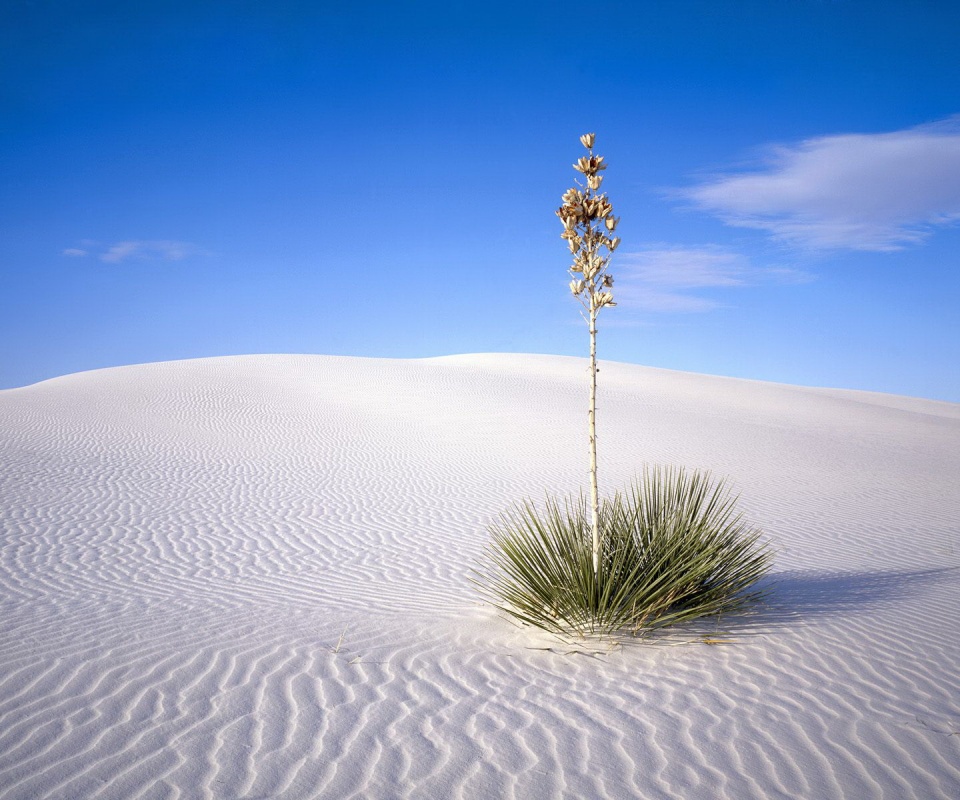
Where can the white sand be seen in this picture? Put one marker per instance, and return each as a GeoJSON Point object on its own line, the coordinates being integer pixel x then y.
{"type": "Point", "coordinates": [185, 544]}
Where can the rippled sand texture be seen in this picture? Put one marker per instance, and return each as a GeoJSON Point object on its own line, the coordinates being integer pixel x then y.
{"type": "Point", "coordinates": [248, 578]}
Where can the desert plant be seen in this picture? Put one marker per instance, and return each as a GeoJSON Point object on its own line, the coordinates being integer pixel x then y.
{"type": "Point", "coordinates": [587, 219]}
{"type": "Point", "coordinates": [672, 548]}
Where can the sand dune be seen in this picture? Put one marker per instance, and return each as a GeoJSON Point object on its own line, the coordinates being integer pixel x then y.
{"type": "Point", "coordinates": [248, 578]}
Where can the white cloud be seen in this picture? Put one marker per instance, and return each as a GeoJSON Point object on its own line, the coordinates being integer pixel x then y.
{"type": "Point", "coordinates": [121, 251]}
{"type": "Point", "coordinates": [148, 250]}
{"type": "Point", "coordinates": [664, 278]}
{"type": "Point", "coordinates": [857, 191]}
{"type": "Point", "coordinates": [660, 278]}
{"type": "Point", "coordinates": [136, 249]}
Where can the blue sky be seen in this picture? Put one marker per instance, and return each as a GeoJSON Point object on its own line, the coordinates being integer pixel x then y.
{"type": "Point", "coordinates": [188, 179]}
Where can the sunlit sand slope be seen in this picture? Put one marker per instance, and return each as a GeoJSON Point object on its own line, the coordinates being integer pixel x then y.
{"type": "Point", "coordinates": [248, 578]}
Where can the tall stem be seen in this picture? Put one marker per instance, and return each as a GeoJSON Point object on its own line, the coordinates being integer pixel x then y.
{"type": "Point", "coordinates": [585, 215]}
{"type": "Point", "coordinates": [592, 416]}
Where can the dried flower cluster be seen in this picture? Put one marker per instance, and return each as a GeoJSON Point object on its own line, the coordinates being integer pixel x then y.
{"type": "Point", "coordinates": [588, 220]}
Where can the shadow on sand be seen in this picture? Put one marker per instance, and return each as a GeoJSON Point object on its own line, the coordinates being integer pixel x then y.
{"type": "Point", "coordinates": [803, 596]}
{"type": "Point", "coordinates": [813, 593]}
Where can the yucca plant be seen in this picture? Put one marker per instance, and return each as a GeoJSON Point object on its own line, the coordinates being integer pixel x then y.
{"type": "Point", "coordinates": [672, 548]}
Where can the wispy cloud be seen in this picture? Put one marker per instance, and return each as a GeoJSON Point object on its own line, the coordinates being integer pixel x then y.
{"type": "Point", "coordinates": [136, 250]}
{"type": "Point", "coordinates": [660, 278]}
{"type": "Point", "coordinates": [163, 250]}
{"type": "Point", "coordinates": [665, 278]}
{"type": "Point", "coordinates": [857, 191]}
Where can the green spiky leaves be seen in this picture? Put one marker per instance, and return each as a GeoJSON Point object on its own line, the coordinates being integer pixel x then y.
{"type": "Point", "coordinates": [673, 548]}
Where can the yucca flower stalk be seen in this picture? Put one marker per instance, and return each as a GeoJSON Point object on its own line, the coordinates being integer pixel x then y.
{"type": "Point", "coordinates": [588, 225]}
